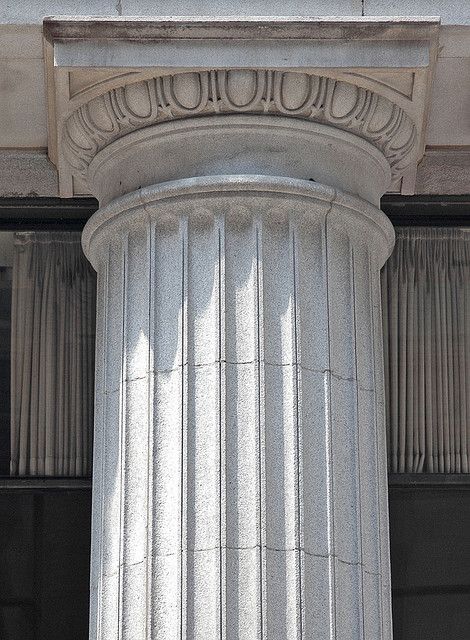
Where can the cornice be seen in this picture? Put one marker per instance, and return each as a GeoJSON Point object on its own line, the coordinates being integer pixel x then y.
{"type": "Point", "coordinates": [141, 28]}
{"type": "Point", "coordinates": [130, 107]}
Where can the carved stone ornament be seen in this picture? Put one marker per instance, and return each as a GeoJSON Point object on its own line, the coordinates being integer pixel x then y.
{"type": "Point", "coordinates": [307, 96]}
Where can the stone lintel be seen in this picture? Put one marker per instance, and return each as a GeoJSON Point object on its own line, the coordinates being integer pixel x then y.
{"type": "Point", "coordinates": [26, 173]}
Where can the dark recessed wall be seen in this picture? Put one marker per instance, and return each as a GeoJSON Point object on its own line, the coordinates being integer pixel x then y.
{"type": "Point", "coordinates": [44, 565]}
{"type": "Point", "coordinates": [45, 552]}
{"type": "Point", "coordinates": [430, 551]}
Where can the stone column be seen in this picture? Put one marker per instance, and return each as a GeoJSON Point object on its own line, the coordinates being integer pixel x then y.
{"type": "Point", "coordinates": [240, 483]}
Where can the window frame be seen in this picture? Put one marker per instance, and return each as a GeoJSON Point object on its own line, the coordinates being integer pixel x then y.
{"type": "Point", "coordinates": [71, 214]}
{"type": "Point", "coordinates": [45, 214]}
{"type": "Point", "coordinates": [427, 211]}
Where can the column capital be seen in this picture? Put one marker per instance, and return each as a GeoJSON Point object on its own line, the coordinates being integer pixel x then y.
{"type": "Point", "coordinates": [109, 79]}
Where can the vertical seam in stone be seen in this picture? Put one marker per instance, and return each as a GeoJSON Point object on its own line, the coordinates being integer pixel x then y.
{"type": "Point", "coordinates": [222, 436]}
{"type": "Point", "coordinates": [329, 453]}
{"type": "Point", "coordinates": [121, 433]}
{"type": "Point", "coordinates": [104, 331]}
{"type": "Point", "coordinates": [150, 435]}
{"type": "Point", "coordinates": [299, 479]}
{"type": "Point", "coordinates": [358, 436]}
{"type": "Point", "coordinates": [261, 433]}
{"type": "Point", "coordinates": [374, 300]}
{"type": "Point", "coordinates": [184, 417]}
{"type": "Point", "coordinates": [184, 420]}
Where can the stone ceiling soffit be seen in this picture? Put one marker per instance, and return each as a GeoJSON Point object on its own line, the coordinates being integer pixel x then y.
{"type": "Point", "coordinates": [391, 59]}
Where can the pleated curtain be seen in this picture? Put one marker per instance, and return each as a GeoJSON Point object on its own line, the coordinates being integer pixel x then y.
{"type": "Point", "coordinates": [52, 356]}
{"type": "Point", "coordinates": [426, 323]}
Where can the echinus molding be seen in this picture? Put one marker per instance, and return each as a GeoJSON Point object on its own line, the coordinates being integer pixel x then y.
{"type": "Point", "coordinates": [130, 107]}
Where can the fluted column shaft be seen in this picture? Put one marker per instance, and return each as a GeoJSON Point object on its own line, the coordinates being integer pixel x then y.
{"type": "Point", "coordinates": [239, 471]}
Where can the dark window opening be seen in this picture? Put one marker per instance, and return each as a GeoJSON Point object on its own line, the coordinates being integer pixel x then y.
{"type": "Point", "coordinates": [45, 523]}
{"type": "Point", "coordinates": [44, 563]}
{"type": "Point", "coordinates": [430, 554]}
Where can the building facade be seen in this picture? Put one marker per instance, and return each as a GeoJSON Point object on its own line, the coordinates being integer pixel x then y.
{"type": "Point", "coordinates": [258, 372]}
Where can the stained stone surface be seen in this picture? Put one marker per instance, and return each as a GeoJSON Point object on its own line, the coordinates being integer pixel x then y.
{"type": "Point", "coordinates": [452, 13]}
{"type": "Point", "coordinates": [244, 7]}
{"type": "Point", "coordinates": [27, 174]}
